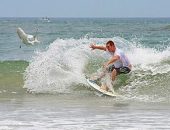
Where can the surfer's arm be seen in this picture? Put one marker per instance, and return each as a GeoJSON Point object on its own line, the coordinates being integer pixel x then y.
{"type": "Point", "coordinates": [93, 46]}
{"type": "Point", "coordinates": [112, 60]}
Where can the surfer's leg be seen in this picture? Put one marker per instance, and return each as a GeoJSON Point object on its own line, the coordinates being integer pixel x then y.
{"type": "Point", "coordinates": [98, 76]}
{"type": "Point", "coordinates": [102, 75]}
{"type": "Point", "coordinates": [107, 84]}
{"type": "Point", "coordinates": [114, 74]}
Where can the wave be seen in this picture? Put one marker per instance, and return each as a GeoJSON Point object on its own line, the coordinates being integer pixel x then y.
{"type": "Point", "coordinates": [11, 76]}
{"type": "Point", "coordinates": [56, 69]}
{"type": "Point", "coordinates": [66, 62]}
{"type": "Point", "coordinates": [13, 66]}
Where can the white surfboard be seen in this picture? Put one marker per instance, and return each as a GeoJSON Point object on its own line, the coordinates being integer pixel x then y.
{"type": "Point", "coordinates": [97, 88]}
{"type": "Point", "coordinates": [26, 38]}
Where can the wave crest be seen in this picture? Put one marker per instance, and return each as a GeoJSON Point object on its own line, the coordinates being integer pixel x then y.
{"type": "Point", "coordinates": [67, 61]}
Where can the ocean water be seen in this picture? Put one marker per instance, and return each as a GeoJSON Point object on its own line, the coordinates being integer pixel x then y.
{"type": "Point", "coordinates": [44, 86]}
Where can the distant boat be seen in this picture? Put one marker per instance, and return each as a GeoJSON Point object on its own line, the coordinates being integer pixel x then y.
{"type": "Point", "coordinates": [27, 38]}
{"type": "Point", "coordinates": [46, 19]}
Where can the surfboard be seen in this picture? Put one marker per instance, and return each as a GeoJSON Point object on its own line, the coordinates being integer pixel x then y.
{"type": "Point", "coordinates": [98, 89]}
{"type": "Point", "coordinates": [27, 38]}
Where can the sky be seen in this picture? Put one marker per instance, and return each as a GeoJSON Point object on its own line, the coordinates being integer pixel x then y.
{"type": "Point", "coordinates": [85, 8]}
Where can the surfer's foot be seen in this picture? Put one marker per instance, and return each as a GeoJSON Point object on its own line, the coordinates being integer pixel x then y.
{"type": "Point", "coordinates": [104, 87]}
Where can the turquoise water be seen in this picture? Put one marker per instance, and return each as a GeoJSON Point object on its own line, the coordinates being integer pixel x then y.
{"type": "Point", "coordinates": [48, 79]}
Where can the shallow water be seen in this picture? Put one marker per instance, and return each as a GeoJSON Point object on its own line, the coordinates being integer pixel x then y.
{"type": "Point", "coordinates": [80, 112]}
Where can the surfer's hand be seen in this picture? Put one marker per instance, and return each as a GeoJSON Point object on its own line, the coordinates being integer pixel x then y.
{"type": "Point", "coordinates": [92, 46]}
{"type": "Point", "coordinates": [105, 66]}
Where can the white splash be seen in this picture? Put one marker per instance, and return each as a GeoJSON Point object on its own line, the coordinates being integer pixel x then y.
{"type": "Point", "coordinates": [62, 65]}
{"type": "Point", "coordinates": [56, 69]}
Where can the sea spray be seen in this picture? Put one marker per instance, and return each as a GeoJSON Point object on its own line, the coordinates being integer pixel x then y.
{"type": "Point", "coordinates": [67, 61]}
{"type": "Point", "coordinates": [56, 69]}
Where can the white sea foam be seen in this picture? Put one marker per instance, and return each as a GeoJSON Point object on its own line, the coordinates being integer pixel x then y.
{"type": "Point", "coordinates": [56, 69]}
{"type": "Point", "coordinates": [63, 64]}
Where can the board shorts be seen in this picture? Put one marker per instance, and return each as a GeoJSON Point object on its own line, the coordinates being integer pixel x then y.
{"type": "Point", "coordinates": [121, 70]}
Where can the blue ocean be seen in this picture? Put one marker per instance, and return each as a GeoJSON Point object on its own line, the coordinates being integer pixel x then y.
{"type": "Point", "coordinates": [44, 86]}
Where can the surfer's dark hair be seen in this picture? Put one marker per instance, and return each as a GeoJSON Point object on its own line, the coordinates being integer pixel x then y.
{"type": "Point", "coordinates": [110, 43]}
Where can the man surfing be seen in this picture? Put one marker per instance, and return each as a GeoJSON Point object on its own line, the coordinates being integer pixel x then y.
{"type": "Point", "coordinates": [117, 64]}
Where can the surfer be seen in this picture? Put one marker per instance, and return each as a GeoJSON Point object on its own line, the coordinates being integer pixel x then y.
{"type": "Point", "coordinates": [117, 64]}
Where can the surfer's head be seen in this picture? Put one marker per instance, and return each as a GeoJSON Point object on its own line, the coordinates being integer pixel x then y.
{"type": "Point", "coordinates": [110, 45]}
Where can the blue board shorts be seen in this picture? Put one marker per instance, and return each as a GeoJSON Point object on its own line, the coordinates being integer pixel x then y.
{"type": "Point", "coordinates": [121, 70]}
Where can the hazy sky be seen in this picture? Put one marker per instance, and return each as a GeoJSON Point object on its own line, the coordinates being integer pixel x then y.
{"type": "Point", "coordinates": [85, 8]}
